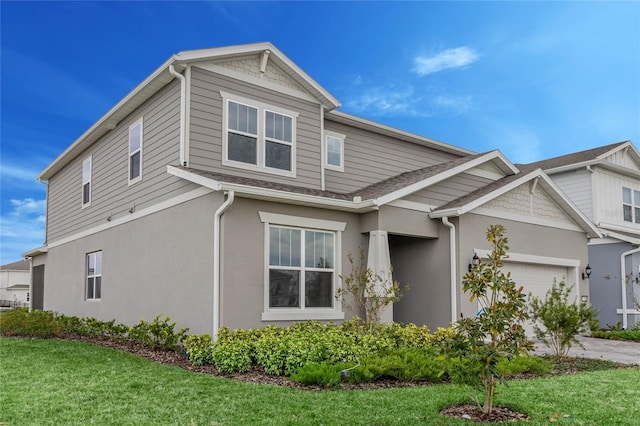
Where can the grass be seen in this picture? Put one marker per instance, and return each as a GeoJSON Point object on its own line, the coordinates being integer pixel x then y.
{"type": "Point", "coordinates": [61, 382]}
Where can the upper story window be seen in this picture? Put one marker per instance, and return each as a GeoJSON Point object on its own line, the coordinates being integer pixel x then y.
{"type": "Point", "coordinates": [334, 151]}
{"type": "Point", "coordinates": [135, 152]}
{"type": "Point", "coordinates": [86, 182]}
{"type": "Point", "coordinates": [258, 136]}
{"type": "Point", "coordinates": [94, 275]}
{"type": "Point", "coordinates": [630, 205]}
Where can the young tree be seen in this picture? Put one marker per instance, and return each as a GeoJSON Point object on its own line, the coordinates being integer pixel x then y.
{"type": "Point", "coordinates": [557, 321]}
{"type": "Point", "coordinates": [496, 332]}
{"type": "Point", "coordinates": [366, 294]}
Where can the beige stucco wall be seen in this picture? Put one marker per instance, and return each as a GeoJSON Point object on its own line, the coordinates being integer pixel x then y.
{"type": "Point", "coordinates": [243, 245]}
{"type": "Point", "coordinates": [158, 264]}
{"type": "Point", "coordinates": [523, 238]}
{"type": "Point", "coordinates": [423, 265]}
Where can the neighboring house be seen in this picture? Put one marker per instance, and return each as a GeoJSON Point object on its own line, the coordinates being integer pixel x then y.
{"type": "Point", "coordinates": [227, 190]}
{"type": "Point", "coordinates": [14, 284]}
{"type": "Point", "coordinates": [604, 183]}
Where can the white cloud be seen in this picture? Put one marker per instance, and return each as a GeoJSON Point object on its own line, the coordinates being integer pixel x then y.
{"type": "Point", "coordinates": [21, 228]}
{"type": "Point", "coordinates": [384, 101]}
{"type": "Point", "coordinates": [19, 173]}
{"type": "Point", "coordinates": [450, 58]}
{"type": "Point", "coordinates": [457, 104]}
{"type": "Point", "coordinates": [27, 207]}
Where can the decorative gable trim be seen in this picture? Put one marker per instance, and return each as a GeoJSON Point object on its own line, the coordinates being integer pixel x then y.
{"type": "Point", "coordinates": [543, 182]}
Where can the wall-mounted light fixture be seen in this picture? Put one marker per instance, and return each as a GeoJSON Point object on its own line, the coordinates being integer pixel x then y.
{"type": "Point", "coordinates": [584, 299]}
{"type": "Point", "coordinates": [474, 261]}
{"type": "Point", "coordinates": [587, 272]}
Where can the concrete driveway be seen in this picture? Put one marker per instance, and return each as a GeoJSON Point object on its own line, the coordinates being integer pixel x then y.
{"type": "Point", "coordinates": [612, 350]}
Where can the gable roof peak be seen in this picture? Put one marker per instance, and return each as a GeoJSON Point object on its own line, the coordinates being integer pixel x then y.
{"type": "Point", "coordinates": [577, 158]}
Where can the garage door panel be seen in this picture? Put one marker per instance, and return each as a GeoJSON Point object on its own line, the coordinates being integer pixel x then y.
{"type": "Point", "coordinates": [537, 279]}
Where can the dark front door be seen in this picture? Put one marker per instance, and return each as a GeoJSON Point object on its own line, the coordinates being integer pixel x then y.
{"type": "Point", "coordinates": [37, 288]}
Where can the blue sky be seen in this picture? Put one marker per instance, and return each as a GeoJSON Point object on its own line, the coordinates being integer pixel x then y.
{"type": "Point", "coordinates": [535, 80]}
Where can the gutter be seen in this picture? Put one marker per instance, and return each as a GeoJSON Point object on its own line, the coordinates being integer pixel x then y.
{"type": "Point", "coordinates": [183, 111]}
{"type": "Point", "coordinates": [216, 261]}
{"type": "Point", "coordinates": [452, 255]}
{"type": "Point", "coordinates": [623, 285]}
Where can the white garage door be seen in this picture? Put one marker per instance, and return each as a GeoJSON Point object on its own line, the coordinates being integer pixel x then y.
{"type": "Point", "coordinates": [537, 279]}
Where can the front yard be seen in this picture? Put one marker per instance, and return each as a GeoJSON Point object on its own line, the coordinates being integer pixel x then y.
{"type": "Point", "coordinates": [62, 382]}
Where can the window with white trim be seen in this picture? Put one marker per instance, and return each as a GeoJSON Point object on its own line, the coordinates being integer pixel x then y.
{"type": "Point", "coordinates": [334, 151]}
{"type": "Point", "coordinates": [86, 182]}
{"type": "Point", "coordinates": [630, 205]}
{"type": "Point", "coordinates": [135, 152]}
{"type": "Point", "coordinates": [301, 268]}
{"type": "Point", "coordinates": [94, 275]}
{"type": "Point", "coordinates": [302, 263]}
{"type": "Point", "coordinates": [259, 136]}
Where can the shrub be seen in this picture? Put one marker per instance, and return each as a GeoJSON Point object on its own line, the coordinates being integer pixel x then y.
{"type": "Point", "coordinates": [365, 293]}
{"type": "Point", "coordinates": [557, 321]}
{"type": "Point", "coordinates": [21, 322]}
{"type": "Point", "coordinates": [323, 374]}
{"type": "Point", "coordinates": [199, 349]}
{"type": "Point", "coordinates": [633, 335]}
{"type": "Point", "coordinates": [234, 351]}
{"type": "Point", "coordinates": [158, 334]}
{"type": "Point", "coordinates": [524, 364]}
{"type": "Point", "coordinates": [406, 364]}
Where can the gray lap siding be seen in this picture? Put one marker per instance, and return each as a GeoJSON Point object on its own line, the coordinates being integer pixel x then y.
{"type": "Point", "coordinates": [111, 195]}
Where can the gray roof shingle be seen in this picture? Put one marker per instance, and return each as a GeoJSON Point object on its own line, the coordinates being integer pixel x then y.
{"type": "Point", "coordinates": [574, 158]}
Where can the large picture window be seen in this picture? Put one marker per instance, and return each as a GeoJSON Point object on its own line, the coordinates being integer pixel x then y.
{"type": "Point", "coordinates": [135, 152]}
{"type": "Point", "coordinates": [86, 182]}
{"type": "Point", "coordinates": [94, 275]}
{"type": "Point", "coordinates": [302, 262]}
{"type": "Point", "coordinates": [301, 268]}
{"type": "Point", "coordinates": [258, 136]}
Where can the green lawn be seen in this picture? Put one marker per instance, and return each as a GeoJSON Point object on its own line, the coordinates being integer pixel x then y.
{"type": "Point", "coordinates": [61, 382]}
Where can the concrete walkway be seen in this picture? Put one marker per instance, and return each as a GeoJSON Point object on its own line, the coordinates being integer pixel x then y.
{"type": "Point", "coordinates": [613, 350]}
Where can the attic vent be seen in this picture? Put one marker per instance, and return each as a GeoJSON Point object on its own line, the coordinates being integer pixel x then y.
{"type": "Point", "coordinates": [264, 60]}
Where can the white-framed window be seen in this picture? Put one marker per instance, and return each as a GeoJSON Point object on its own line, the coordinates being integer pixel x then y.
{"type": "Point", "coordinates": [302, 264]}
{"type": "Point", "coordinates": [86, 182]}
{"type": "Point", "coordinates": [334, 151]}
{"type": "Point", "coordinates": [630, 205]}
{"type": "Point", "coordinates": [94, 275]}
{"type": "Point", "coordinates": [135, 152]}
{"type": "Point", "coordinates": [258, 136]}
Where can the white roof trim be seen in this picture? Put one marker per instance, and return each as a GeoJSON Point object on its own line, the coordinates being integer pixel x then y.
{"type": "Point", "coordinates": [621, 237]}
{"type": "Point", "coordinates": [229, 51]}
{"type": "Point", "coordinates": [35, 251]}
{"type": "Point", "coordinates": [160, 78]}
{"type": "Point", "coordinates": [544, 181]}
{"type": "Point", "coordinates": [274, 194]}
{"type": "Point", "coordinates": [363, 123]}
{"type": "Point", "coordinates": [493, 155]}
{"type": "Point", "coordinates": [600, 160]}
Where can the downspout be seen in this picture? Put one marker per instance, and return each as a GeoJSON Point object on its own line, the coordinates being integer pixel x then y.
{"type": "Point", "coordinates": [452, 255]}
{"type": "Point", "coordinates": [623, 284]}
{"type": "Point", "coordinates": [183, 111]}
{"type": "Point", "coordinates": [216, 261]}
{"type": "Point", "coordinates": [30, 259]}
{"type": "Point", "coordinates": [322, 148]}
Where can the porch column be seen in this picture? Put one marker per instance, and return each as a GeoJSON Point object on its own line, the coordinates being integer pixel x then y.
{"type": "Point", "coordinates": [379, 262]}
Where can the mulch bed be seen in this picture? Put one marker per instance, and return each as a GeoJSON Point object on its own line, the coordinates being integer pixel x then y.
{"type": "Point", "coordinates": [471, 412]}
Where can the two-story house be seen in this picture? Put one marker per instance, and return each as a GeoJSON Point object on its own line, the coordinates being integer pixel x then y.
{"type": "Point", "coordinates": [228, 190]}
{"type": "Point", "coordinates": [604, 183]}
